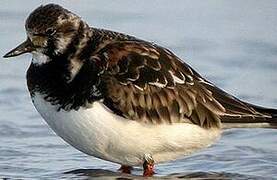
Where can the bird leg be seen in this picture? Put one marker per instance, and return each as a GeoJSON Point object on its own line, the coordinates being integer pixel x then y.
{"type": "Point", "coordinates": [125, 169]}
{"type": "Point", "coordinates": [148, 166]}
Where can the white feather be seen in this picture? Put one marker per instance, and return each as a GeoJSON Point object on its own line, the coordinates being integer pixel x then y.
{"type": "Point", "coordinates": [99, 132]}
{"type": "Point", "coordinates": [177, 79]}
{"type": "Point", "coordinates": [40, 58]}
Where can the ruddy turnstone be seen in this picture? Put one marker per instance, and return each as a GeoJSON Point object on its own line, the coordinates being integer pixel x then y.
{"type": "Point", "coordinates": [123, 99]}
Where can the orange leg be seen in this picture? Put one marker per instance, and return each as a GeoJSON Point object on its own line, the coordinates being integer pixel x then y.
{"type": "Point", "coordinates": [125, 169]}
{"type": "Point", "coordinates": [148, 166]}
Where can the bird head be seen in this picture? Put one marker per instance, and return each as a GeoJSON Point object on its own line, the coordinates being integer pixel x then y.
{"type": "Point", "coordinates": [50, 29]}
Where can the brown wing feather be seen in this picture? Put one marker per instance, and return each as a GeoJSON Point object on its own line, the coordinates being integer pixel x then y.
{"type": "Point", "coordinates": [147, 83]}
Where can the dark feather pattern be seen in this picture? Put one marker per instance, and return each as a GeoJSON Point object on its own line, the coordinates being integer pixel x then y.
{"type": "Point", "coordinates": [147, 83]}
{"type": "Point", "coordinates": [49, 81]}
{"type": "Point", "coordinates": [137, 80]}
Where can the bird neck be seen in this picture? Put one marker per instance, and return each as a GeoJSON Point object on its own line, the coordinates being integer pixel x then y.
{"type": "Point", "coordinates": [52, 82]}
{"type": "Point", "coordinates": [71, 79]}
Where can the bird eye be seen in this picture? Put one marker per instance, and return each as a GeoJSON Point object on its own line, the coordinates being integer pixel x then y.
{"type": "Point", "coordinates": [50, 31]}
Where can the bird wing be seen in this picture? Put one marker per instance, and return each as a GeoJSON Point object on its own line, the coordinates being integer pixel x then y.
{"type": "Point", "coordinates": [148, 83]}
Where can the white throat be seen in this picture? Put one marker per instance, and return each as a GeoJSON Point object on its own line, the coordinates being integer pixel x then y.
{"type": "Point", "coordinates": [40, 58]}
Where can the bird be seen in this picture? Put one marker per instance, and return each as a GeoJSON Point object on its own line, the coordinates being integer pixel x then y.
{"type": "Point", "coordinates": [123, 99]}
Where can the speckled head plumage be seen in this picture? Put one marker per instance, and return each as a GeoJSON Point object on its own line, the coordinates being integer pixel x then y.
{"type": "Point", "coordinates": [55, 31]}
{"type": "Point", "coordinates": [50, 31]}
{"type": "Point", "coordinates": [46, 16]}
{"type": "Point", "coordinates": [51, 28]}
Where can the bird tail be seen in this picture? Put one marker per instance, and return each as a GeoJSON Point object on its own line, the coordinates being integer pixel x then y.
{"type": "Point", "coordinates": [241, 114]}
{"type": "Point", "coordinates": [264, 118]}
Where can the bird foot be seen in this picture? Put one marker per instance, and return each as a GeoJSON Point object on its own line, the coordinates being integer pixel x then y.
{"type": "Point", "coordinates": [148, 166]}
{"type": "Point", "coordinates": [125, 169]}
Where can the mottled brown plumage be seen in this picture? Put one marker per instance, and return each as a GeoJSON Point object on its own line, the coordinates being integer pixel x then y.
{"type": "Point", "coordinates": [148, 83]}
{"type": "Point", "coordinates": [136, 79]}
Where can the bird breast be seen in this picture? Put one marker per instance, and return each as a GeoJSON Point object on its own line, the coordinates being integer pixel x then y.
{"type": "Point", "coordinates": [98, 132]}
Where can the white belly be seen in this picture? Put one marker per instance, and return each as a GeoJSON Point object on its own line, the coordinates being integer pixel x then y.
{"type": "Point", "coordinates": [98, 132]}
